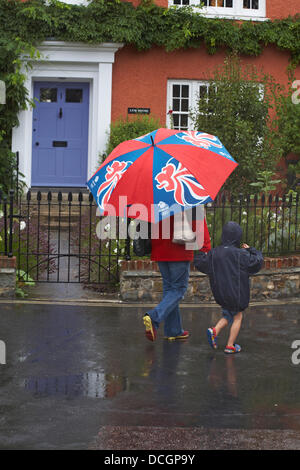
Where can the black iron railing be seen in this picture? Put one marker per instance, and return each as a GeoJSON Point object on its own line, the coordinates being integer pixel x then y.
{"type": "Point", "coordinates": [6, 223]}
{"type": "Point", "coordinates": [270, 223]}
{"type": "Point", "coordinates": [55, 239]}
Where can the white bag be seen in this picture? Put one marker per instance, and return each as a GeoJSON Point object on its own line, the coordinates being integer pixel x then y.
{"type": "Point", "coordinates": [183, 232]}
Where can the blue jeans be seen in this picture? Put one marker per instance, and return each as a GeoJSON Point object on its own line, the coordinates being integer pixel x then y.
{"type": "Point", "coordinates": [175, 275]}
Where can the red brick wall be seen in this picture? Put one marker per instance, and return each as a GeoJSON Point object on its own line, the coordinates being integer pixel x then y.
{"type": "Point", "coordinates": [275, 8]}
{"type": "Point", "coordinates": [140, 78]}
{"type": "Point", "coordinates": [7, 263]}
{"type": "Point", "coordinates": [269, 263]}
{"type": "Point", "coordinates": [282, 8]}
{"type": "Point", "coordinates": [160, 3]}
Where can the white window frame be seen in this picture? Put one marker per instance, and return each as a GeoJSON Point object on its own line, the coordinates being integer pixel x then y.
{"type": "Point", "coordinates": [76, 2]}
{"type": "Point", "coordinates": [192, 96]}
{"type": "Point", "coordinates": [236, 12]}
{"type": "Point", "coordinates": [194, 88]}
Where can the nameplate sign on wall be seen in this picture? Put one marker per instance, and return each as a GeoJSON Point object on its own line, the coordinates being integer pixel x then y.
{"type": "Point", "coordinates": [138, 110]}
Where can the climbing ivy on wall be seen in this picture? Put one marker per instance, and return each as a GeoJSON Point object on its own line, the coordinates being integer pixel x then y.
{"type": "Point", "coordinates": [24, 25]}
{"type": "Point", "coordinates": [145, 26]}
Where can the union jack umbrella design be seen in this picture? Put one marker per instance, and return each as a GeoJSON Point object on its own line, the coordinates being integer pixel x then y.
{"type": "Point", "coordinates": [165, 168]}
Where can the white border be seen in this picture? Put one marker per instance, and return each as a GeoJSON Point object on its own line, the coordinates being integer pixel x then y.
{"type": "Point", "coordinates": [76, 62]}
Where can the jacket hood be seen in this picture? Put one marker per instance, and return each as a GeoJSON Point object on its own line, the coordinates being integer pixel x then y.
{"type": "Point", "coordinates": [232, 234]}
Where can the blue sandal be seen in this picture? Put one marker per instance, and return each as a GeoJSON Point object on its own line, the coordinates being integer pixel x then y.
{"type": "Point", "coordinates": [236, 348]}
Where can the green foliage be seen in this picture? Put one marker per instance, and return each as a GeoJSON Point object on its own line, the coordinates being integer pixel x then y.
{"type": "Point", "coordinates": [126, 129]}
{"type": "Point", "coordinates": [265, 182]}
{"type": "Point", "coordinates": [236, 109]}
{"type": "Point", "coordinates": [287, 109]}
{"type": "Point", "coordinates": [269, 224]}
{"type": "Point", "coordinates": [24, 280]}
{"type": "Point", "coordinates": [144, 26]}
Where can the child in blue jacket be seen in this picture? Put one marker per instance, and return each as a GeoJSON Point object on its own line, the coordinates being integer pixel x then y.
{"type": "Point", "coordinates": [228, 267]}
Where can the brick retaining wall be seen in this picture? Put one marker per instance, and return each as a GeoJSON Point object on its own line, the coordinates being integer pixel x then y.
{"type": "Point", "coordinates": [140, 280]}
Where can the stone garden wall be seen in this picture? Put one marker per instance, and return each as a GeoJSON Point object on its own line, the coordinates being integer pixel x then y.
{"type": "Point", "coordinates": [279, 279]}
{"type": "Point", "coordinates": [7, 276]}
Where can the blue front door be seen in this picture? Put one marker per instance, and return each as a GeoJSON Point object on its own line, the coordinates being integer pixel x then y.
{"type": "Point", "coordinates": [60, 134]}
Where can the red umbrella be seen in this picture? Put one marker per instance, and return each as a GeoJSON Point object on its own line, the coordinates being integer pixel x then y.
{"type": "Point", "coordinates": [165, 168]}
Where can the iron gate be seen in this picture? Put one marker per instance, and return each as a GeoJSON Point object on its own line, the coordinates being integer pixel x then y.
{"type": "Point", "coordinates": [54, 238]}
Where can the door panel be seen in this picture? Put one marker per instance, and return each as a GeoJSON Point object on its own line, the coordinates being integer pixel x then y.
{"type": "Point", "coordinates": [60, 134]}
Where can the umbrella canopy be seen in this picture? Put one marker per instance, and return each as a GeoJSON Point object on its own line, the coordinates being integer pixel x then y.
{"type": "Point", "coordinates": [165, 168]}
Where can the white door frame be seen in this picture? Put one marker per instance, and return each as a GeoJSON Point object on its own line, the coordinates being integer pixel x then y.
{"type": "Point", "coordinates": [61, 61]}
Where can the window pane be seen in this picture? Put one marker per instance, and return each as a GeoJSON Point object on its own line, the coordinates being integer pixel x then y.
{"type": "Point", "coordinates": [254, 4]}
{"type": "Point", "coordinates": [203, 91]}
{"type": "Point", "coordinates": [183, 121]}
{"type": "Point", "coordinates": [48, 95]}
{"type": "Point", "coordinates": [176, 105]}
{"type": "Point", "coordinates": [185, 91]}
{"type": "Point", "coordinates": [211, 91]}
{"type": "Point", "coordinates": [176, 120]}
{"type": "Point", "coordinates": [176, 91]}
{"type": "Point", "coordinates": [216, 3]}
{"type": "Point", "coordinates": [219, 3]}
{"type": "Point", "coordinates": [73, 95]}
{"type": "Point", "coordinates": [184, 105]}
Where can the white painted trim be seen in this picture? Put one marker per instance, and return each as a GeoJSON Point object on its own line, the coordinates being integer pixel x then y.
{"type": "Point", "coordinates": [76, 2]}
{"type": "Point", "coordinates": [73, 62]}
{"type": "Point", "coordinates": [236, 17]}
{"type": "Point", "coordinates": [236, 12]}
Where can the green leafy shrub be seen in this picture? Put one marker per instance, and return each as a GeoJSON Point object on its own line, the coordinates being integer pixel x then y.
{"type": "Point", "coordinates": [237, 110]}
{"type": "Point", "coordinates": [126, 129]}
{"type": "Point", "coordinates": [269, 223]}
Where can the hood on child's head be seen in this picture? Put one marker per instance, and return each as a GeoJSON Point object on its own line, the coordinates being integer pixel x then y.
{"type": "Point", "coordinates": [232, 234]}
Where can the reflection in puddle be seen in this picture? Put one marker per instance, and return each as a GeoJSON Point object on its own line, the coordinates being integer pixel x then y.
{"type": "Point", "coordinates": [91, 384]}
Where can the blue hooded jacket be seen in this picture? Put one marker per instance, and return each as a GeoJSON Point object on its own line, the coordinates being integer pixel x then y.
{"type": "Point", "coordinates": [229, 267]}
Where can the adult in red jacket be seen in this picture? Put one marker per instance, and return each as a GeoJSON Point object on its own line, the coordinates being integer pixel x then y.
{"type": "Point", "coordinates": [174, 264]}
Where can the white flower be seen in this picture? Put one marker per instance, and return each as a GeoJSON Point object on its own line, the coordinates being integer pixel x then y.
{"type": "Point", "coordinates": [244, 213]}
{"type": "Point", "coordinates": [22, 225]}
{"type": "Point", "coordinates": [1, 214]}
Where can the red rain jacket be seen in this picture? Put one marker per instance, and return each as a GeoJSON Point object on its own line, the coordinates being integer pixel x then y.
{"type": "Point", "coordinates": [166, 250]}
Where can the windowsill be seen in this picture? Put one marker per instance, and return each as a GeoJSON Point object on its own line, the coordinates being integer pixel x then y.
{"type": "Point", "coordinates": [236, 17]}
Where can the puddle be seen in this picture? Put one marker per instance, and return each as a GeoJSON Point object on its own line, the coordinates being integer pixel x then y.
{"type": "Point", "coordinates": [91, 384]}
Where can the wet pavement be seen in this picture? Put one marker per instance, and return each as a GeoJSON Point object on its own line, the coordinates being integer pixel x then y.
{"type": "Point", "coordinates": [84, 377]}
